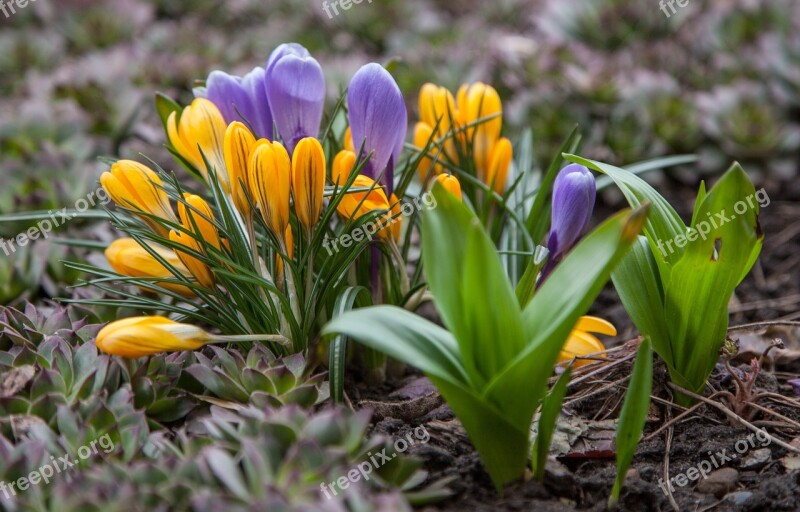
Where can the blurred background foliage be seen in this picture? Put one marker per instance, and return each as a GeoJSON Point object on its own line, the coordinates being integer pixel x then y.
{"type": "Point", "coordinates": [719, 79]}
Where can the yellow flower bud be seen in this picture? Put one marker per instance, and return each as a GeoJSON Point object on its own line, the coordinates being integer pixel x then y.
{"type": "Point", "coordinates": [146, 335]}
{"type": "Point", "coordinates": [269, 178]}
{"type": "Point", "coordinates": [423, 134]}
{"type": "Point", "coordinates": [437, 108]}
{"type": "Point", "coordinates": [375, 199]}
{"type": "Point", "coordinates": [308, 181]}
{"type": "Point", "coordinates": [135, 186]}
{"type": "Point", "coordinates": [203, 220]}
{"type": "Point", "coordinates": [200, 131]}
{"type": "Point", "coordinates": [395, 219]}
{"type": "Point", "coordinates": [342, 166]}
{"type": "Point", "coordinates": [237, 146]}
{"type": "Point", "coordinates": [500, 162]}
{"type": "Point", "coordinates": [348, 140]}
{"type": "Point", "coordinates": [128, 258]}
{"type": "Point", "coordinates": [451, 184]}
{"type": "Point", "coordinates": [197, 268]}
{"type": "Point", "coordinates": [581, 343]}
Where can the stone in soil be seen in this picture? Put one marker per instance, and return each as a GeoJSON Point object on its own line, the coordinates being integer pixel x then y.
{"type": "Point", "coordinates": [719, 483]}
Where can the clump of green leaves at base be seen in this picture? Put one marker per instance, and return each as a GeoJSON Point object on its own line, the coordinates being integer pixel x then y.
{"type": "Point", "coordinates": [677, 295]}
{"type": "Point", "coordinates": [493, 364]}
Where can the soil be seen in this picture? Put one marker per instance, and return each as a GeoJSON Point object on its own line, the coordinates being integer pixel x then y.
{"type": "Point", "coordinates": [755, 480]}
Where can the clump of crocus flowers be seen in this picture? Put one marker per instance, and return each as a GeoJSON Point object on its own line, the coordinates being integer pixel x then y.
{"type": "Point", "coordinates": [463, 132]}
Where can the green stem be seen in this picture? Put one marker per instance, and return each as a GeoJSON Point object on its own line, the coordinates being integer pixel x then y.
{"type": "Point", "coordinates": [240, 338]}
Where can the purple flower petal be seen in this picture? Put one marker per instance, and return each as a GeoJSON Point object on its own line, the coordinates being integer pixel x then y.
{"type": "Point", "coordinates": [296, 92]}
{"type": "Point", "coordinates": [378, 119]}
{"type": "Point", "coordinates": [242, 99]}
{"type": "Point", "coordinates": [574, 193]}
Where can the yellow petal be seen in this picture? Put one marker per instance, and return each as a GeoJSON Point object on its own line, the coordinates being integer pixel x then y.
{"type": "Point", "coordinates": [141, 336]}
{"type": "Point", "coordinates": [436, 108]}
{"type": "Point", "coordinates": [451, 184]}
{"type": "Point", "coordinates": [343, 165]}
{"type": "Point", "coordinates": [136, 187]}
{"type": "Point", "coordinates": [202, 218]}
{"type": "Point", "coordinates": [355, 204]}
{"type": "Point", "coordinates": [128, 258]}
{"type": "Point", "coordinates": [422, 136]}
{"type": "Point", "coordinates": [499, 164]}
{"type": "Point", "coordinates": [580, 344]}
{"type": "Point", "coordinates": [237, 146]}
{"type": "Point", "coordinates": [197, 268]}
{"type": "Point", "coordinates": [200, 132]}
{"type": "Point", "coordinates": [308, 180]}
{"type": "Point", "coordinates": [269, 175]}
{"type": "Point", "coordinates": [595, 324]}
{"type": "Point", "coordinates": [348, 140]}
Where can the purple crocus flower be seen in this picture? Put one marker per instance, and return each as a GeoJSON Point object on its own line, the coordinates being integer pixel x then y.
{"type": "Point", "coordinates": [242, 99]}
{"type": "Point", "coordinates": [795, 383]}
{"type": "Point", "coordinates": [296, 92]}
{"type": "Point", "coordinates": [377, 115]}
{"type": "Point", "coordinates": [574, 193]}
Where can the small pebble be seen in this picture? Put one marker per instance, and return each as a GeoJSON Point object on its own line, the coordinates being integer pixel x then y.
{"type": "Point", "coordinates": [756, 459]}
{"type": "Point", "coordinates": [738, 498]}
{"type": "Point", "coordinates": [719, 483]}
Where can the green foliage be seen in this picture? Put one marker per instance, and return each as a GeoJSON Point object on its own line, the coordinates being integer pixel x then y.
{"type": "Point", "coordinates": [551, 408]}
{"type": "Point", "coordinates": [676, 283]}
{"type": "Point", "coordinates": [480, 380]}
{"type": "Point", "coordinates": [633, 416]}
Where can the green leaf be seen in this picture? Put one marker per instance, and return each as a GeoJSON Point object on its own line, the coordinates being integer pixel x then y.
{"type": "Point", "coordinates": [404, 336]}
{"type": "Point", "coordinates": [638, 284]}
{"type": "Point", "coordinates": [704, 278]}
{"type": "Point", "coordinates": [337, 355]}
{"type": "Point", "coordinates": [166, 106]}
{"type": "Point", "coordinates": [633, 416]}
{"type": "Point", "coordinates": [556, 307]}
{"type": "Point", "coordinates": [551, 408]}
{"type": "Point", "coordinates": [663, 223]}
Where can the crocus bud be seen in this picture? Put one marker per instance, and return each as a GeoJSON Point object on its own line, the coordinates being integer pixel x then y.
{"type": "Point", "coordinates": [377, 114]}
{"type": "Point", "coordinates": [201, 216]}
{"type": "Point", "coordinates": [437, 108]}
{"type": "Point", "coordinates": [451, 184]}
{"type": "Point", "coordinates": [136, 187]}
{"type": "Point", "coordinates": [241, 99]}
{"type": "Point", "coordinates": [128, 258]}
{"type": "Point", "coordinates": [353, 205]}
{"type": "Point", "coordinates": [480, 111]}
{"type": "Point", "coordinates": [200, 132]}
{"type": "Point", "coordinates": [146, 335]}
{"type": "Point", "coordinates": [296, 92]}
{"type": "Point", "coordinates": [343, 165]}
{"type": "Point", "coordinates": [574, 193]}
{"type": "Point", "coordinates": [500, 162]}
{"type": "Point", "coordinates": [270, 180]}
{"type": "Point", "coordinates": [308, 181]}
{"type": "Point", "coordinates": [196, 267]}
{"type": "Point", "coordinates": [581, 342]}
{"type": "Point", "coordinates": [422, 135]}
{"type": "Point", "coordinates": [237, 146]}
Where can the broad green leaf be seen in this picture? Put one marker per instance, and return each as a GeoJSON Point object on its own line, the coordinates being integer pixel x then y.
{"type": "Point", "coordinates": [704, 278]}
{"type": "Point", "coordinates": [490, 310]}
{"type": "Point", "coordinates": [404, 336]}
{"type": "Point", "coordinates": [633, 416]}
{"type": "Point", "coordinates": [502, 445]}
{"type": "Point", "coordinates": [555, 309]}
{"type": "Point", "coordinates": [662, 224]}
{"type": "Point", "coordinates": [638, 284]}
{"type": "Point", "coordinates": [551, 408]}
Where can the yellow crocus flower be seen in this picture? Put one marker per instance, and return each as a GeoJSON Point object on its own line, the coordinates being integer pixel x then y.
{"type": "Point", "coordinates": [137, 187]}
{"type": "Point", "coordinates": [200, 132]}
{"type": "Point", "coordinates": [451, 184]}
{"type": "Point", "coordinates": [581, 342]}
{"type": "Point", "coordinates": [237, 146]}
{"type": "Point", "coordinates": [146, 335]}
{"type": "Point", "coordinates": [342, 166]}
{"type": "Point", "coordinates": [128, 258]}
{"type": "Point", "coordinates": [204, 220]}
{"type": "Point", "coordinates": [197, 268]}
{"type": "Point", "coordinates": [308, 181]}
{"type": "Point", "coordinates": [269, 178]}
